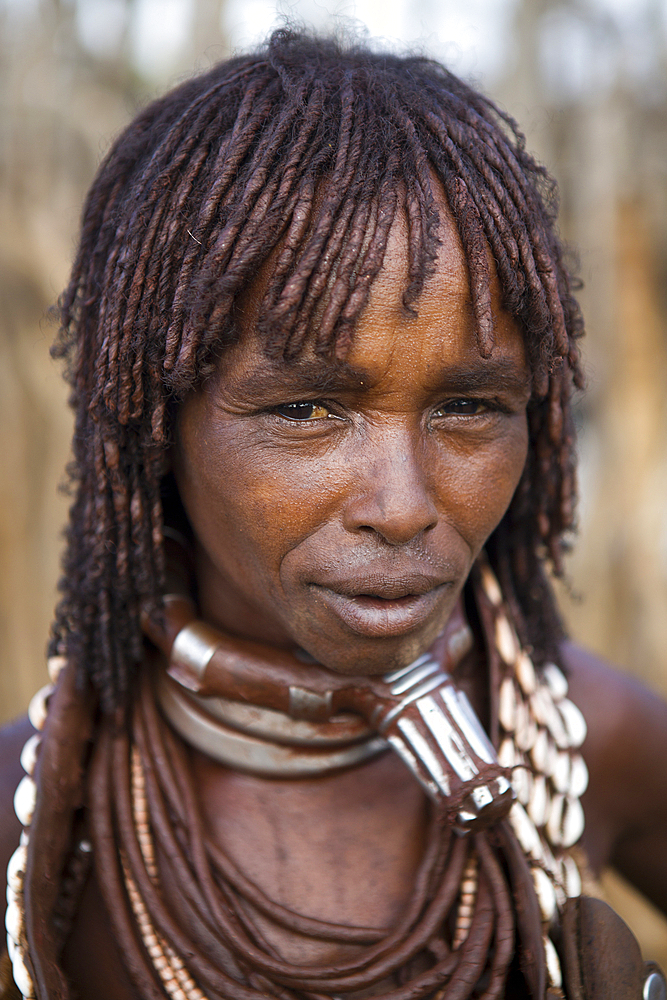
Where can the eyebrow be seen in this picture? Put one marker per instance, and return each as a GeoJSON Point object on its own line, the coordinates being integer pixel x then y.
{"type": "Point", "coordinates": [306, 375]}
{"type": "Point", "coordinates": [488, 374]}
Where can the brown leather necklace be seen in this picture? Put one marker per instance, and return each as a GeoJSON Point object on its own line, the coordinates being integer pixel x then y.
{"type": "Point", "coordinates": [184, 914]}
{"type": "Point", "coordinates": [195, 902]}
{"type": "Point", "coordinates": [189, 920]}
{"type": "Point", "coordinates": [417, 710]}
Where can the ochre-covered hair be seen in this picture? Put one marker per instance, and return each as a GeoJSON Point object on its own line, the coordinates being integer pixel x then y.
{"type": "Point", "coordinates": [305, 150]}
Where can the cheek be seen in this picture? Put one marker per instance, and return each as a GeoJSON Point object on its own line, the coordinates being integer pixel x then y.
{"type": "Point", "coordinates": [283, 497]}
{"type": "Point", "coordinates": [477, 488]}
{"type": "Point", "coordinates": [248, 504]}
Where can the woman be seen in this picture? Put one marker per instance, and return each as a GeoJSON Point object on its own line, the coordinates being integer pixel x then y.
{"type": "Point", "coordinates": [322, 345]}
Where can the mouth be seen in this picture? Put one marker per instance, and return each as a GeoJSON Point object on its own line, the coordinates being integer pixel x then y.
{"type": "Point", "coordinates": [383, 608]}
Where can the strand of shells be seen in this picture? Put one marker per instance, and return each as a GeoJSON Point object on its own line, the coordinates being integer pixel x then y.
{"type": "Point", "coordinates": [25, 799]}
{"type": "Point", "coordinates": [541, 733]}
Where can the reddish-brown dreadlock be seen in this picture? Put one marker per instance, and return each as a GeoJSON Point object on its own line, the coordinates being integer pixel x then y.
{"type": "Point", "coordinates": [305, 150]}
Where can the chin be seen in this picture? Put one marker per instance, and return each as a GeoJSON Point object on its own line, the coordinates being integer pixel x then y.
{"type": "Point", "coordinates": [374, 658]}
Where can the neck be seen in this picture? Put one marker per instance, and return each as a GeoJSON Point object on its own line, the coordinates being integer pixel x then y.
{"type": "Point", "coordinates": [267, 742]}
{"type": "Point", "coordinates": [343, 847]}
{"type": "Point", "coordinates": [417, 709]}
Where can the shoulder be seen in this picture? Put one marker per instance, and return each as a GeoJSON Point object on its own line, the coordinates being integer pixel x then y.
{"type": "Point", "coordinates": [626, 754]}
{"type": "Point", "coordinates": [91, 947]}
{"type": "Point", "coordinates": [12, 739]}
{"type": "Point", "coordinates": [626, 745]}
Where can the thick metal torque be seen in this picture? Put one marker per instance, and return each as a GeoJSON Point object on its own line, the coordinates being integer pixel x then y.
{"type": "Point", "coordinates": [417, 709]}
{"type": "Point", "coordinates": [435, 731]}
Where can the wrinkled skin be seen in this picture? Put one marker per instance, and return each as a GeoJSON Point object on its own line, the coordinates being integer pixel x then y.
{"type": "Point", "coordinates": [341, 508]}
{"type": "Point", "coordinates": [341, 511]}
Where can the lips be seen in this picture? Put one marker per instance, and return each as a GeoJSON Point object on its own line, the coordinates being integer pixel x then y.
{"type": "Point", "coordinates": [382, 607]}
{"type": "Point", "coordinates": [390, 585]}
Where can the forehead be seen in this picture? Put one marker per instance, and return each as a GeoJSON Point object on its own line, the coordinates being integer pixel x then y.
{"type": "Point", "coordinates": [388, 339]}
{"type": "Point", "coordinates": [442, 320]}
{"type": "Point", "coordinates": [438, 344]}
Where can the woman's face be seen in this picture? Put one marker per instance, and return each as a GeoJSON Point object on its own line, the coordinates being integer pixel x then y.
{"type": "Point", "coordinates": [339, 508]}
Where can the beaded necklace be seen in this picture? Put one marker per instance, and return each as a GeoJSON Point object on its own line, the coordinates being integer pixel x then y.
{"type": "Point", "coordinates": [541, 731]}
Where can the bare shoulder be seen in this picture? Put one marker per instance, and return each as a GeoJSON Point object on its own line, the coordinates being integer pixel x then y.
{"type": "Point", "coordinates": [12, 739]}
{"type": "Point", "coordinates": [626, 754]}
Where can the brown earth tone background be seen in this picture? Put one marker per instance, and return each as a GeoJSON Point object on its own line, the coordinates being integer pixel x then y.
{"type": "Point", "coordinates": [590, 91]}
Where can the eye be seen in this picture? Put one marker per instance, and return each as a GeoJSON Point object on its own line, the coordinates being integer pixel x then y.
{"type": "Point", "coordinates": [302, 411]}
{"type": "Point", "coordinates": [462, 407]}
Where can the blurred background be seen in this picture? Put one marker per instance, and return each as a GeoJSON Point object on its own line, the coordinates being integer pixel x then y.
{"type": "Point", "coordinates": [587, 80]}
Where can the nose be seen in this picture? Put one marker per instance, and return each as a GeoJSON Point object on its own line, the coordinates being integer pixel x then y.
{"type": "Point", "coordinates": [391, 497]}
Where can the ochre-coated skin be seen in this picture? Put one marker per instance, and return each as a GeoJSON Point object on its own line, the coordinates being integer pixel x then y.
{"type": "Point", "coordinates": [409, 458]}
{"type": "Point", "coordinates": [350, 532]}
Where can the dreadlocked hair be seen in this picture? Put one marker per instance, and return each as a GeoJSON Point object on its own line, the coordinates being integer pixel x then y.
{"type": "Point", "coordinates": [305, 150]}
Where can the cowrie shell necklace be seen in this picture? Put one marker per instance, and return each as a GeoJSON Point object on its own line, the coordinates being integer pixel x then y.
{"type": "Point", "coordinates": [541, 734]}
